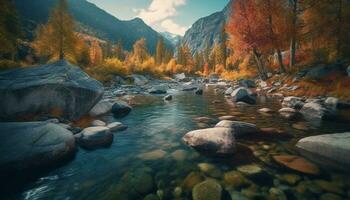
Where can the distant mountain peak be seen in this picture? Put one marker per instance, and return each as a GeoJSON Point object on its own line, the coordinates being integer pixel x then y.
{"type": "Point", "coordinates": [173, 38]}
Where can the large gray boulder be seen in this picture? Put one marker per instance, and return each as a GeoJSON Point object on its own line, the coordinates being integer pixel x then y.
{"type": "Point", "coordinates": [158, 89]}
{"type": "Point", "coordinates": [330, 150]}
{"type": "Point", "coordinates": [238, 129]}
{"type": "Point", "coordinates": [314, 110]}
{"type": "Point", "coordinates": [95, 137]}
{"type": "Point", "coordinates": [139, 79]}
{"type": "Point", "coordinates": [293, 102]}
{"type": "Point", "coordinates": [58, 88]}
{"type": "Point", "coordinates": [33, 145]}
{"type": "Point", "coordinates": [212, 140]}
{"type": "Point", "coordinates": [101, 108]}
{"type": "Point", "coordinates": [243, 95]}
{"type": "Point", "coordinates": [247, 83]}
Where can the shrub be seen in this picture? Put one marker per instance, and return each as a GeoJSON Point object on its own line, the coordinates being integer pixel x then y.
{"type": "Point", "coordinates": [9, 64]}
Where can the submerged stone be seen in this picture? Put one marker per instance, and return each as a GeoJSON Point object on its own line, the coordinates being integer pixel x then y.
{"type": "Point", "coordinates": [297, 163]}
{"type": "Point", "coordinates": [153, 155]}
{"type": "Point", "coordinates": [207, 190]}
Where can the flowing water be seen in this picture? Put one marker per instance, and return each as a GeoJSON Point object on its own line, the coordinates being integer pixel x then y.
{"type": "Point", "coordinates": [150, 157]}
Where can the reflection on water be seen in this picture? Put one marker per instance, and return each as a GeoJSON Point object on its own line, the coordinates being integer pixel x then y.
{"type": "Point", "coordinates": [150, 158]}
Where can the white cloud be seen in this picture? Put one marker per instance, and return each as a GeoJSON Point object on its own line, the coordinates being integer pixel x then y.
{"type": "Point", "coordinates": [159, 10]}
{"type": "Point", "coordinates": [171, 27]}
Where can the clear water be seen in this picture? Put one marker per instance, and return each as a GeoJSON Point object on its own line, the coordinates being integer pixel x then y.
{"type": "Point", "coordinates": [155, 125]}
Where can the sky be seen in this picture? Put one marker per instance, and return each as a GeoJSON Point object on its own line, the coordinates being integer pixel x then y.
{"type": "Point", "coordinates": [174, 16]}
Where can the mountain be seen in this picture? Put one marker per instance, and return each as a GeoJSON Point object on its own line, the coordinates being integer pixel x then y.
{"type": "Point", "coordinates": [206, 30]}
{"type": "Point", "coordinates": [91, 20]}
{"type": "Point", "coordinates": [173, 38]}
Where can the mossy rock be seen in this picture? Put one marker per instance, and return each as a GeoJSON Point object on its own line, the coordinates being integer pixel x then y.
{"type": "Point", "coordinates": [207, 190]}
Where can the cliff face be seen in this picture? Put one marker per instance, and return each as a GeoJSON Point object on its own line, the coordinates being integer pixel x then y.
{"type": "Point", "coordinates": [206, 30]}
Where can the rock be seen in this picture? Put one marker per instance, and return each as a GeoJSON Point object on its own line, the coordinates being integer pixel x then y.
{"type": "Point", "coordinates": [121, 109]}
{"type": "Point", "coordinates": [323, 71]}
{"type": "Point", "coordinates": [59, 89]}
{"type": "Point", "coordinates": [235, 179]}
{"type": "Point", "coordinates": [140, 181]}
{"type": "Point", "coordinates": [139, 79]}
{"type": "Point", "coordinates": [189, 87]}
{"type": "Point", "coordinates": [212, 140]}
{"type": "Point", "coordinates": [242, 95]}
{"type": "Point", "coordinates": [179, 155]}
{"type": "Point", "coordinates": [330, 196]}
{"type": "Point", "coordinates": [290, 179]}
{"type": "Point", "coordinates": [151, 197]}
{"type": "Point", "coordinates": [297, 163]}
{"type": "Point", "coordinates": [27, 146]}
{"type": "Point", "coordinates": [293, 102]}
{"type": "Point", "coordinates": [191, 180]}
{"type": "Point", "coordinates": [227, 118]}
{"type": "Point", "coordinates": [250, 170]}
{"type": "Point", "coordinates": [177, 192]}
{"type": "Point", "coordinates": [229, 91]}
{"type": "Point", "coordinates": [199, 92]}
{"type": "Point", "coordinates": [98, 123]}
{"type": "Point", "coordinates": [203, 119]}
{"type": "Point", "coordinates": [210, 170]}
{"type": "Point", "coordinates": [153, 155]}
{"type": "Point", "coordinates": [247, 83]}
{"type": "Point", "coordinates": [277, 194]}
{"type": "Point", "coordinates": [95, 137]}
{"type": "Point", "coordinates": [116, 126]}
{"type": "Point", "coordinates": [101, 108]}
{"type": "Point", "coordinates": [238, 129]}
{"type": "Point", "coordinates": [271, 133]}
{"type": "Point", "coordinates": [329, 187]}
{"type": "Point", "coordinates": [330, 150]}
{"type": "Point", "coordinates": [263, 84]}
{"type": "Point", "coordinates": [207, 190]}
{"type": "Point", "coordinates": [301, 126]}
{"type": "Point", "coordinates": [168, 98]}
{"type": "Point", "coordinates": [181, 77]}
{"type": "Point", "coordinates": [158, 89]}
{"type": "Point", "coordinates": [265, 110]}
{"type": "Point", "coordinates": [335, 103]}
{"type": "Point", "coordinates": [315, 110]}
{"type": "Point", "coordinates": [289, 113]}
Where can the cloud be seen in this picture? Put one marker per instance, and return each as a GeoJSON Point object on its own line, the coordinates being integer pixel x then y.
{"type": "Point", "coordinates": [171, 27]}
{"type": "Point", "coordinates": [159, 10]}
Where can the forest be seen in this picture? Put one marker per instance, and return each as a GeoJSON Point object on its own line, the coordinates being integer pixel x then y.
{"type": "Point", "coordinates": [249, 102]}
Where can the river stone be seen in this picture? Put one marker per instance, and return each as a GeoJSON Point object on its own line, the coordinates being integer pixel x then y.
{"type": "Point", "coordinates": [199, 91]}
{"type": "Point", "coordinates": [290, 179]}
{"type": "Point", "coordinates": [207, 190]}
{"type": "Point", "coordinates": [101, 108]}
{"type": "Point", "coordinates": [235, 179]}
{"type": "Point", "coordinates": [238, 128]}
{"type": "Point", "coordinates": [229, 91]}
{"type": "Point", "coordinates": [277, 194]}
{"type": "Point", "coordinates": [153, 155]}
{"type": "Point", "coordinates": [212, 140]}
{"type": "Point", "coordinates": [247, 83]}
{"type": "Point", "coordinates": [139, 79]}
{"type": "Point", "coordinates": [330, 150]}
{"type": "Point", "coordinates": [293, 102]}
{"type": "Point", "coordinates": [117, 126]}
{"type": "Point", "coordinates": [151, 197]}
{"type": "Point", "coordinates": [98, 123]}
{"type": "Point", "coordinates": [329, 186]}
{"type": "Point", "coordinates": [179, 155]}
{"type": "Point", "coordinates": [121, 109]}
{"type": "Point", "coordinates": [58, 89]}
{"type": "Point", "coordinates": [250, 170]}
{"type": "Point", "coordinates": [313, 110]}
{"type": "Point", "coordinates": [265, 110]}
{"type": "Point", "coordinates": [158, 89]}
{"type": "Point", "coordinates": [33, 146]}
{"type": "Point", "coordinates": [191, 180]}
{"type": "Point", "coordinates": [95, 137]}
{"type": "Point", "coordinates": [168, 98]}
{"type": "Point", "coordinates": [229, 117]}
{"type": "Point", "coordinates": [139, 180]}
{"type": "Point", "coordinates": [297, 163]}
{"type": "Point", "coordinates": [330, 196]}
{"type": "Point", "coordinates": [242, 95]}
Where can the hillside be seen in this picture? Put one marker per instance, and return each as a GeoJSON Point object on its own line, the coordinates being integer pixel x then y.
{"type": "Point", "coordinates": [92, 20]}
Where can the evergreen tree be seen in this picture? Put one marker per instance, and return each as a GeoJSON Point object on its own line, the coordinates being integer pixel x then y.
{"type": "Point", "coordinates": [57, 38]}
{"type": "Point", "coordinates": [223, 46]}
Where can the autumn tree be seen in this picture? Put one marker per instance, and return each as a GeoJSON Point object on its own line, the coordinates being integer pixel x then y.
{"type": "Point", "coordinates": [160, 51]}
{"type": "Point", "coordinates": [9, 28]}
{"type": "Point", "coordinates": [223, 46]}
{"type": "Point", "coordinates": [140, 52]}
{"type": "Point", "coordinates": [294, 12]}
{"type": "Point", "coordinates": [169, 54]}
{"type": "Point", "coordinates": [57, 38]}
{"type": "Point", "coordinates": [248, 34]}
{"type": "Point", "coordinates": [118, 51]}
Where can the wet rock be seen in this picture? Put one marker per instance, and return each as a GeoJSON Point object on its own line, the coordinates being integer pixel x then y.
{"type": "Point", "coordinates": [289, 113]}
{"type": "Point", "coordinates": [250, 170]}
{"type": "Point", "coordinates": [203, 119]}
{"type": "Point", "coordinates": [158, 89]}
{"type": "Point", "coordinates": [301, 126]}
{"type": "Point", "coordinates": [243, 95]}
{"type": "Point", "coordinates": [151, 197]}
{"type": "Point", "coordinates": [177, 192]}
{"type": "Point", "coordinates": [121, 109]}
{"type": "Point", "coordinates": [139, 79]}
{"type": "Point", "coordinates": [168, 98]}
{"type": "Point", "coordinates": [272, 133]}
{"type": "Point", "coordinates": [247, 83]}
{"type": "Point", "coordinates": [265, 110]}
{"type": "Point", "coordinates": [297, 163]}
{"type": "Point", "coordinates": [30, 146]}
{"type": "Point", "coordinates": [263, 84]}
{"type": "Point", "coordinates": [277, 194]}
{"type": "Point", "coordinates": [235, 179]}
{"type": "Point", "coordinates": [57, 88]}
{"type": "Point", "coordinates": [191, 180]}
{"type": "Point", "coordinates": [293, 102]}
{"type": "Point", "coordinates": [95, 137]}
{"type": "Point", "coordinates": [140, 181]}
{"type": "Point", "coordinates": [153, 155]}
{"type": "Point", "coordinates": [329, 187]}
{"type": "Point", "coordinates": [229, 117]}
{"type": "Point", "coordinates": [101, 108]}
{"type": "Point", "coordinates": [210, 170]}
{"type": "Point", "coordinates": [330, 196]}
{"type": "Point", "coordinates": [98, 123]}
{"type": "Point", "coordinates": [313, 110]}
{"type": "Point", "coordinates": [181, 77]}
{"type": "Point", "coordinates": [212, 140]}
{"type": "Point", "coordinates": [199, 91]}
{"type": "Point", "coordinates": [330, 150]}
{"type": "Point", "coordinates": [116, 126]}
{"type": "Point", "coordinates": [189, 86]}
{"type": "Point", "coordinates": [335, 103]}
{"type": "Point", "coordinates": [207, 190]}
{"type": "Point", "coordinates": [179, 155]}
{"type": "Point", "coordinates": [290, 179]}
{"type": "Point", "coordinates": [238, 129]}
{"type": "Point", "coordinates": [229, 91]}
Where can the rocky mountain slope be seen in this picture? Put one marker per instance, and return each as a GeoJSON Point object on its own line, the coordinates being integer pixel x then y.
{"type": "Point", "coordinates": [206, 30]}
{"type": "Point", "coordinates": [92, 20]}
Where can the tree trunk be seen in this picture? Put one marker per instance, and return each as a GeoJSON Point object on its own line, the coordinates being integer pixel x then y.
{"type": "Point", "coordinates": [292, 52]}
{"type": "Point", "coordinates": [280, 61]}
{"type": "Point", "coordinates": [293, 39]}
{"type": "Point", "coordinates": [260, 66]}
{"type": "Point", "coordinates": [339, 31]}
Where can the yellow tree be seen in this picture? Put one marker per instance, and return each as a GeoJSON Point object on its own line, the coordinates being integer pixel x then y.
{"type": "Point", "coordinates": [57, 38]}
{"type": "Point", "coordinates": [140, 52]}
{"type": "Point", "coordinates": [160, 51]}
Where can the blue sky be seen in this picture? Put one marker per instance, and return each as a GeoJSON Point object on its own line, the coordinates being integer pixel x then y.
{"type": "Point", "coordinates": [174, 16]}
